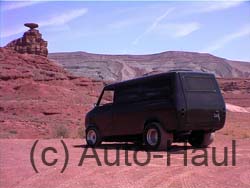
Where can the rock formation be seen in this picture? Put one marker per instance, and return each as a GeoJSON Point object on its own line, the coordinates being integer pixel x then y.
{"type": "Point", "coordinates": [31, 42]}
{"type": "Point", "coordinates": [39, 99]}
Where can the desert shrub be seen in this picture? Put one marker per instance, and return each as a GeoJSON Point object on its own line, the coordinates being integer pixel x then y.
{"type": "Point", "coordinates": [13, 131]}
{"type": "Point", "coordinates": [61, 131]}
{"type": "Point", "coordinates": [81, 132]}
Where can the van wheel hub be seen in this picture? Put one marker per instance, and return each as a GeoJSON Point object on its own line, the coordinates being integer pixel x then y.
{"type": "Point", "coordinates": [91, 136]}
{"type": "Point", "coordinates": [152, 137]}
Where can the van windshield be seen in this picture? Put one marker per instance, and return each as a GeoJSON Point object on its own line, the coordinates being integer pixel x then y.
{"type": "Point", "coordinates": [200, 84]}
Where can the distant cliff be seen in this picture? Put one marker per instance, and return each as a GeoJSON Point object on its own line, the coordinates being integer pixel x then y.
{"type": "Point", "coordinates": [122, 67]}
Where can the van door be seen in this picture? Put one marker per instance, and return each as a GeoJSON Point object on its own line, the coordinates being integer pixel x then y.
{"type": "Point", "coordinates": [104, 119]}
{"type": "Point", "coordinates": [104, 112]}
{"type": "Point", "coordinates": [127, 110]}
{"type": "Point", "coordinates": [203, 99]}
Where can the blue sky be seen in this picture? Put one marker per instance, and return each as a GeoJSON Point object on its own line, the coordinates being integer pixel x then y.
{"type": "Point", "coordinates": [221, 28]}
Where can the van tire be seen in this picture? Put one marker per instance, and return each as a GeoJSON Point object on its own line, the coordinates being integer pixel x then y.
{"type": "Point", "coordinates": [164, 139]}
{"type": "Point", "coordinates": [93, 137]}
{"type": "Point", "coordinates": [201, 139]}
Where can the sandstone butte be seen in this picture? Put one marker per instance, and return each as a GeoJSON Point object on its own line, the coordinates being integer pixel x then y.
{"type": "Point", "coordinates": [31, 42]}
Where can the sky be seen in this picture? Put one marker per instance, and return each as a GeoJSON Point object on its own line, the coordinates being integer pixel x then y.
{"type": "Point", "coordinates": [221, 28]}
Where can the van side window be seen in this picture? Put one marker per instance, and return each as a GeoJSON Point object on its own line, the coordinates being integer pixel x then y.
{"type": "Point", "coordinates": [157, 89]}
{"type": "Point", "coordinates": [107, 98]}
{"type": "Point", "coordinates": [200, 84]}
{"type": "Point", "coordinates": [128, 94]}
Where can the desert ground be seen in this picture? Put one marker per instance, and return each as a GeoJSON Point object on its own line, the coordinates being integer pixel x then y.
{"type": "Point", "coordinates": [17, 172]}
{"type": "Point", "coordinates": [41, 100]}
{"type": "Point", "coordinates": [136, 168]}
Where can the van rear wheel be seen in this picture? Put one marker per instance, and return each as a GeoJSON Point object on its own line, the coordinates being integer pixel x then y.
{"type": "Point", "coordinates": [93, 137]}
{"type": "Point", "coordinates": [155, 138]}
{"type": "Point", "coordinates": [201, 139]}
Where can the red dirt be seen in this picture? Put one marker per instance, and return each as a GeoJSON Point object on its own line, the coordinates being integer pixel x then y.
{"type": "Point", "coordinates": [16, 170]}
{"type": "Point", "coordinates": [236, 91]}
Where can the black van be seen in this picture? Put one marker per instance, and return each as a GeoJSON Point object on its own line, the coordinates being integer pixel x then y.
{"type": "Point", "coordinates": [176, 106]}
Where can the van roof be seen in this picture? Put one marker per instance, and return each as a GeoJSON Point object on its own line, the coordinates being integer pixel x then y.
{"type": "Point", "coordinates": [136, 80]}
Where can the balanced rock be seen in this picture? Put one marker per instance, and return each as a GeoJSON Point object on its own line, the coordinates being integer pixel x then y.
{"type": "Point", "coordinates": [31, 42]}
{"type": "Point", "coordinates": [31, 25]}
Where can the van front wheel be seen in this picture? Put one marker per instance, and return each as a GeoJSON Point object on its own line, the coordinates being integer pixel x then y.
{"type": "Point", "coordinates": [93, 137]}
{"type": "Point", "coordinates": [201, 139]}
{"type": "Point", "coordinates": [155, 138]}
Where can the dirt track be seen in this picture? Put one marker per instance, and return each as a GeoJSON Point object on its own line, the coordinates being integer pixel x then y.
{"type": "Point", "coordinates": [16, 170]}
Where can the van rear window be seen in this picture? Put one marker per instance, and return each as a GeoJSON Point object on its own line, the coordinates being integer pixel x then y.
{"type": "Point", "coordinates": [200, 84]}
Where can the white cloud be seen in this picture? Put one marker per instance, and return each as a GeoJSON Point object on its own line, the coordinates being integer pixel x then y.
{"type": "Point", "coordinates": [153, 25]}
{"type": "Point", "coordinates": [217, 6]}
{"type": "Point", "coordinates": [206, 7]}
{"type": "Point", "coordinates": [125, 23]}
{"type": "Point", "coordinates": [227, 39]}
{"type": "Point", "coordinates": [19, 4]}
{"type": "Point", "coordinates": [56, 20]}
{"type": "Point", "coordinates": [176, 30]}
{"type": "Point", "coordinates": [63, 18]}
{"type": "Point", "coordinates": [185, 29]}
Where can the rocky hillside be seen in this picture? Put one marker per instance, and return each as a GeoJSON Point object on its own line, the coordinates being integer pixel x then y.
{"type": "Point", "coordinates": [40, 99]}
{"type": "Point", "coordinates": [122, 67]}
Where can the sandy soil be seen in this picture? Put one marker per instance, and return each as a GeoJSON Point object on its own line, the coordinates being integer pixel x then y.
{"type": "Point", "coordinates": [41, 100]}
{"type": "Point", "coordinates": [16, 170]}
